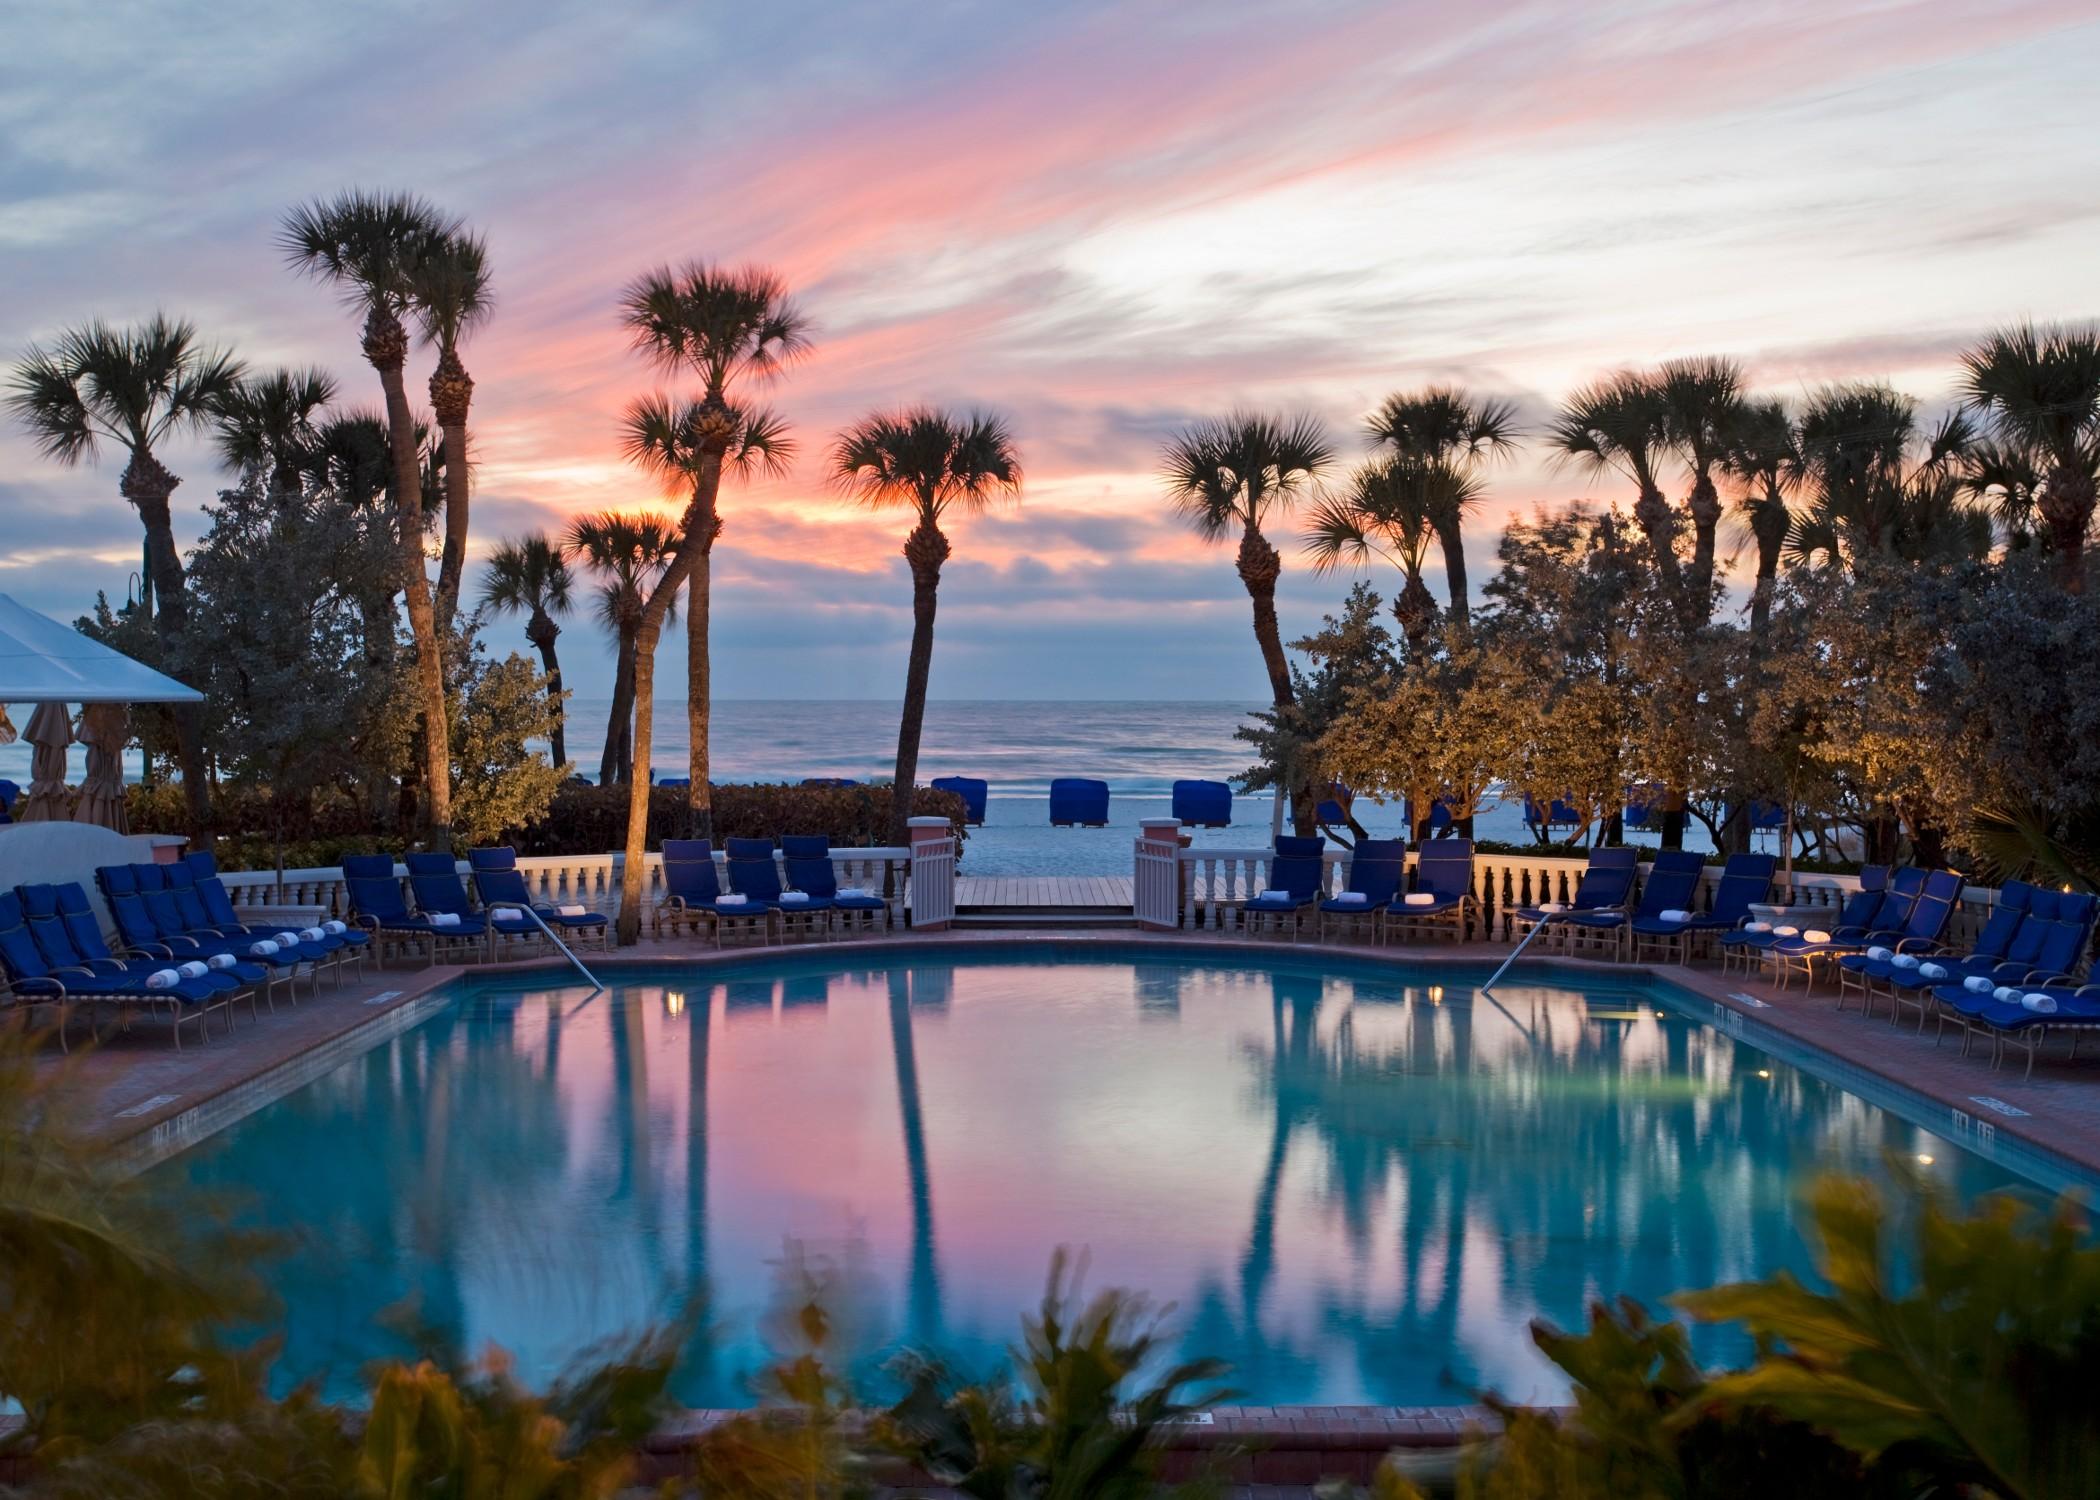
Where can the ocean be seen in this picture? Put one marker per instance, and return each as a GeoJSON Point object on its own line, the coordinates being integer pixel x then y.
{"type": "Point", "coordinates": [1140, 749]}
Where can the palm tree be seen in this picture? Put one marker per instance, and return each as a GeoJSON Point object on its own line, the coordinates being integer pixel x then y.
{"type": "Point", "coordinates": [1448, 426]}
{"type": "Point", "coordinates": [1231, 473]}
{"type": "Point", "coordinates": [929, 462]}
{"type": "Point", "coordinates": [2040, 390]}
{"type": "Point", "coordinates": [1702, 402]}
{"type": "Point", "coordinates": [725, 326]}
{"type": "Point", "coordinates": [369, 246]}
{"type": "Point", "coordinates": [133, 387]}
{"type": "Point", "coordinates": [628, 554]}
{"type": "Point", "coordinates": [265, 428]}
{"type": "Point", "coordinates": [449, 288]}
{"type": "Point", "coordinates": [1871, 492]}
{"type": "Point", "coordinates": [1389, 511]}
{"type": "Point", "coordinates": [530, 576]}
{"type": "Point", "coordinates": [1620, 425]}
{"type": "Point", "coordinates": [1764, 452]}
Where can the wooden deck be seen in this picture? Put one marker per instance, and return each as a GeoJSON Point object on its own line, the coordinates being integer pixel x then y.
{"type": "Point", "coordinates": [1041, 892]}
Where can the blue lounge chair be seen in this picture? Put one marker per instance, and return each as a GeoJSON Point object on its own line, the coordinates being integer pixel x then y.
{"type": "Point", "coordinates": [434, 879]}
{"type": "Point", "coordinates": [347, 945]}
{"type": "Point", "coordinates": [2011, 1022]}
{"type": "Point", "coordinates": [807, 859]}
{"type": "Point", "coordinates": [67, 931]}
{"type": "Point", "coordinates": [8, 792]}
{"type": "Point", "coordinates": [1606, 885]}
{"type": "Point", "coordinates": [1925, 902]}
{"type": "Point", "coordinates": [1203, 804]}
{"type": "Point", "coordinates": [1296, 871]}
{"type": "Point", "coordinates": [1745, 881]}
{"type": "Point", "coordinates": [377, 905]}
{"type": "Point", "coordinates": [1744, 947]}
{"type": "Point", "coordinates": [33, 979]}
{"type": "Point", "coordinates": [1443, 893]}
{"type": "Point", "coordinates": [2043, 951]}
{"type": "Point", "coordinates": [1077, 802]}
{"type": "Point", "coordinates": [499, 882]}
{"type": "Point", "coordinates": [754, 876]}
{"type": "Point", "coordinates": [1672, 885]}
{"type": "Point", "coordinates": [1376, 868]}
{"type": "Point", "coordinates": [317, 947]}
{"type": "Point", "coordinates": [1908, 978]}
{"type": "Point", "coordinates": [974, 794]}
{"type": "Point", "coordinates": [691, 888]}
{"type": "Point", "coordinates": [152, 922]}
{"type": "Point", "coordinates": [1558, 816]}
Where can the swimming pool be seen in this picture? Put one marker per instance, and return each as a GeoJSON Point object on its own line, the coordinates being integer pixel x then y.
{"type": "Point", "coordinates": [1357, 1181]}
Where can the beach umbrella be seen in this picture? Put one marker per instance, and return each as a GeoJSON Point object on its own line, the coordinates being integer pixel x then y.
{"type": "Point", "coordinates": [104, 727]}
{"type": "Point", "coordinates": [50, 800]}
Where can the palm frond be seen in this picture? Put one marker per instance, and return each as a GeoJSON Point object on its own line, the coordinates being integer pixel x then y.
{"type": "Point", "coordinates": [450, 287]}
{"type": "Point", "coordinates": [721, 323]}
{"type": "Point", "coordinates": [365, 244]}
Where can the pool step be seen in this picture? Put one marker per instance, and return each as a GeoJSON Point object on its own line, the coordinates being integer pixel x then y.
{"type": "Point", "coordinates": [1040, 919]}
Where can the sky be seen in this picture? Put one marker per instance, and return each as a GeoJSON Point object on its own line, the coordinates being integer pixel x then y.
{"type": "Point", "coordinates": [1104, 221]}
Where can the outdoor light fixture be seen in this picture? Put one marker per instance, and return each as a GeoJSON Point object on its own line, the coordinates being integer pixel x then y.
{"type": "Point", "coordinates": [674, 1002]}
{"type": "Point", "coordinates": [1924, 1159]}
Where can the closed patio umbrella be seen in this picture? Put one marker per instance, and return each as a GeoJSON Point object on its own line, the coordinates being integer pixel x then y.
{"type": "Point", "coordinates": [50, 800]}
{"type": "Point", "coordinates": [104, 727]}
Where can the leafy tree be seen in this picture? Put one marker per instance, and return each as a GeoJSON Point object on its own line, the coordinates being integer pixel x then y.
{"type": "Point", "coordinates": [371, 246]}
{"type": "Point", "coordinates": [1230, 474]}
{"type": "Point", "coordinates": [725, 327]}
{"type": "Point", "coordinates": [530, 575]}
{"type": "Point", "coordinates": [498, 783]}
{"type": "Point", "coordinates": [930, 462]}
{"type": "Point", "coordinates": [1447, 429]}
{"type": "Point", "coordinates": [136, 388]}
{"type": "Point", "coordinates": [2039, 388]}
{"type": "Point", "coordinates": [1427, 732]}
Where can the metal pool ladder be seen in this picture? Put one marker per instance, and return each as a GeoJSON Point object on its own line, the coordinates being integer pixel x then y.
{"type": "Point", "coordinates": [566, 952]}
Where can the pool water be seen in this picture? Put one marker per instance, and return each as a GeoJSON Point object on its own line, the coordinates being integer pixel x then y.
{"type": "Point", "coordinates": [1356, 1182]}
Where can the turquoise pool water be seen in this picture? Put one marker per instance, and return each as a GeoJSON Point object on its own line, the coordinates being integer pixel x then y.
{"type": "Point", "coordinates": [1357, 1183]}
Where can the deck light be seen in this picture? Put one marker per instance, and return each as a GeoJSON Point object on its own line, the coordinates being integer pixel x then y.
{"type": "Point", "coordinates": [1764, 1072]}
{"type": "Point", "coordinates": [1924, 1159]}
{"type": "Point", "coordinates": [1436, 994]}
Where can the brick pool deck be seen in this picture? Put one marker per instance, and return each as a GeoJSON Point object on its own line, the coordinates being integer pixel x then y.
{"type": "Point", "coordinates": [151, 1101]}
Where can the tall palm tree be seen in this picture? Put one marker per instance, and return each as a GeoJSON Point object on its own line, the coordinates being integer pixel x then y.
{"type": "Point", "coordinates": [628, 554]}
{"type": "Point", "coordinates": [368, 246]}
{"type": "Point", "coordinates": [2039, 388]}
{"type": "Point", "coordinates": [726, 326]}
{"type": "Point", "coordinates": [449, 291]}
{"type": "Point", "coordinates": [530, 576]}
{"type": "Point", "coordinates": [1620, 425]}
{"type": "Point", "coordinates": [930, 462]}
{"type": "Point", "coordinates": [1764, 452]}
{"type": "Point", "coordinates": [265, 428]}
{"type": "Point", "coordinates": [1446, 425]}
{"type": "Point", "coordinates": [1388, 511]}
{"type": "Point", "coordinates": [1702, 402]}
{"type": "Point", "coordinates": [1228, 475]}
{"type": "Point", "coordinates": [1872, 491]}
{"type": "Point", "coordinates": [133, 387]}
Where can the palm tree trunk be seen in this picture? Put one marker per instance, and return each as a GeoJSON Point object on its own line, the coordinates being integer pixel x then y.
{"type": "Point", "coordinates": [699, 675]}
{"type": "Point", "coordinates": [386, 346]}
{"type": "Point", "coordinates": [1415, 611]}
{"type": "Point", "coordinates": [612, 765]}
{"type": "Point", "coordinates": [1259, 568]}
{"type": "Point", "coordinates": [2066, 505]}
{"type": "Point", "coordinates": [1761, 595]}
{"type": "Point", "coordinates": [1451, 539]}
{"type": "Point", "coordinates": [699, 522]}
{"type": "Point", "coordinates": [1652, 512]}
{"type": "Point", "coordinates": [542, 632]}
{"type": "Point", "coordinates": [451, 393]}
{"type": "Point", "coordinates": [926, 549]}
{"type": "Point", "coordinates": [148, 486]}
{"type": "Point", "coordinates": [1705, 504]}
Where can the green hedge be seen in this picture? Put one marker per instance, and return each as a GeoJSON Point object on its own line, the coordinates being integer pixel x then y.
{"type": "Point", "coordinates": [583, 820]}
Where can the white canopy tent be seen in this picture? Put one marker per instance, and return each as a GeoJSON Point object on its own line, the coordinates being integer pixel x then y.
{"type": "Point", "coordinates": [52, 665]}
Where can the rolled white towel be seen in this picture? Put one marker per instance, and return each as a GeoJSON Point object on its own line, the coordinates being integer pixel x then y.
{"type": "Point", "coordinates": [1786, 932]}
{"type": "Point", "coordinates": [194, 969]}
{"type": "Point", "coordinates": [1906, 961]}
{"type": "Point", "coordinates": [1880, 954]}
{"type": "Point", "coordinates": [221, 961]}
{"type": "Point", "coordinates": [1552, 906]}
{"type": "Point", "coordinates": [571, 909]}
{"type": "Point", "coordinates": [1675, 914]}
{"type": "Point", "coordinates": [311, 934]}
{"type": "Point", "coordinates": [794, 898]}
{"type": "Point", "coordinates": [1977, 984]}
{"type": "Point", "coordinates": [163, 979]}
{"type": "Point", "coordinates": [1815, 935]}
{"type": "Point", "coordinates": [1274, 893]}
{"type": "Point", "coordinates": [733, 899]}
{"type": "Point", "coordinates": [2039, 1003]}
{"type": "Point", "coordinates": [334, 929]}
{"type": "Point", "coordinates": [506, 914]}
{"type": "Point", "coordinates": [287, 940]}
{"type": "Point", "coordinates": [2005, 994]}
{"type": "Point", "coordinates": [444, 919]}
{"type": "Point", "coordinates": [857, 892]}
{"type": "Point", "coordinates": [263, 949]}
{"type": "Point", "coordinates": [1419, 898]}
{"type": "Point", "coordinates": [1933, 971]}
{"type": "Point", "coordinates": [1757, 927]}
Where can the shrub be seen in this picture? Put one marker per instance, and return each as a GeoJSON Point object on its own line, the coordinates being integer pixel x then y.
{"type": "Point", "coordinates": [593, 819]}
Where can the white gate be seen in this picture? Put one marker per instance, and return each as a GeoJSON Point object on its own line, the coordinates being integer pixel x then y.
{"type": "Point", "coordinates": [1155, 886]}
{"type": "Point", "coordinates": [932, 892]}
